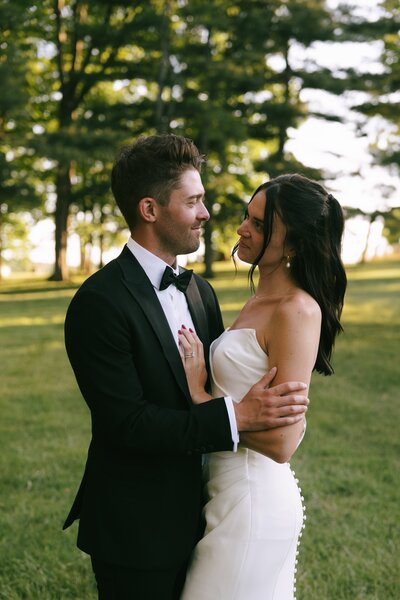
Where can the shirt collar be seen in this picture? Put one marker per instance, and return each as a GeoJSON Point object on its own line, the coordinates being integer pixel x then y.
{"type": "Point", "coordinates": [152, 265]}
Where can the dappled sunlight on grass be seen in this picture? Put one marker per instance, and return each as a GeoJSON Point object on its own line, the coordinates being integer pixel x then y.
{"type": "Point", "coordinates": [28, 283]}
{"type": "Point", "coordinates": [43, 294]}
{"type": "Point", "coordinates": [26, 349]}
{"type": "Point", "coordinates": [359, 290]}
{"type": "Point", "coordinates": [374, 271]}
{"type": "Point", "coordinates": [29, 321]}
{"type": "Point", "coordinates": [373, 294]}
{"type": "Point", "coordinates": [229, 306]}
{"type": "Point", "coordinates": [230, 283]}
{"type": "Point", "coordinates": [28, 309]}
{"type": "Point", "coordinates": [372, 311]}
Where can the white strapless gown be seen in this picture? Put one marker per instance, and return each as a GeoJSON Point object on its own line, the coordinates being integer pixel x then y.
{"type": "Point", "coordinates": [254, 513]}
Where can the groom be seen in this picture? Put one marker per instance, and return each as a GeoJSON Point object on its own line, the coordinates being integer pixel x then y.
{"type": "Point", "coordinates": [140, 499]}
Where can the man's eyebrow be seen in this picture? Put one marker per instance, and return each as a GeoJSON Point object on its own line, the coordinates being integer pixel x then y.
{"type": "Point", "coordinates": [197, 195]}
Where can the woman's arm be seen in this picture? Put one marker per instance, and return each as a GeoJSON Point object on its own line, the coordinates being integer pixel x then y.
{"type": "Point", "coordinates": [292, 345]}
{"type": "Point", "coordinates": [263, 407]}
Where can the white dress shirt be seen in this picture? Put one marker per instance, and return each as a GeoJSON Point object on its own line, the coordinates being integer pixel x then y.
{"type": "Point", "coordinates": [175, 307]}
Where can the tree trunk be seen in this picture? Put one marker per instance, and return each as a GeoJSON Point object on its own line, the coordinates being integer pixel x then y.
{"type": "Point", "coordinates": [85, 248]}
{"type": "Point", "coordinates": [63, 191]}
{"type": "Point", "coordinates": [283, 126]}
{"type": "Point", "coordinates": [82, 254]}
{"type": "Point", "coordinates": [87, 265]}
{"type": "Point", "coordinates": [101, 251]}
{"type": "Point", "coordinates": [161, 119]}
{"type": "Point", "coordinates": [208, 228]}
{"type": "Point", "coordinates": [208, 250]}
{"type": "Point", "coordinates": [363, 258]}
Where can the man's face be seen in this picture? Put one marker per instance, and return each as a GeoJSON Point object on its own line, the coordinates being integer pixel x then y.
{"type": "Point", "coordinates": [178, 224]}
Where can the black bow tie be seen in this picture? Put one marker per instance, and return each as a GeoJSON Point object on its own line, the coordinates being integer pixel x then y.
{"type": "Point", "coordinates": [181, 281]}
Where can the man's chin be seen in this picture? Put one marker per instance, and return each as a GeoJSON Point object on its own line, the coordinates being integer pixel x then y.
{"type": "Point", "coordinates": [189, 248]}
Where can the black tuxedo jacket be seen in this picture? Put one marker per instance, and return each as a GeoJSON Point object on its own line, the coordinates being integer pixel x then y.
{"type": "Point", "coordinates": [139, 502]}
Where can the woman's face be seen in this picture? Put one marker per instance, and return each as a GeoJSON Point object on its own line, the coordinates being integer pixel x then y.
{"type": "Point", "coordinates": [251, 233]}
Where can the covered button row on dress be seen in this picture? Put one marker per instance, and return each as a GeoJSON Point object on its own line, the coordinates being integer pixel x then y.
{"type": "Point", "coordinates": [303, 506]}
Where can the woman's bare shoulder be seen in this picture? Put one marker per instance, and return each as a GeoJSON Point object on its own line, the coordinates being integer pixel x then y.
{"type": "Point", "coordinates": [298, 304]}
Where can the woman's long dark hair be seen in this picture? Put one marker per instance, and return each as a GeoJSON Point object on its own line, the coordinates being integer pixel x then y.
{"type": "Point", "coordinates": [314, 224]}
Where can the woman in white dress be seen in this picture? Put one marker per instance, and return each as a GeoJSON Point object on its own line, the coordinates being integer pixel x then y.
{"type": "Point", "coordinates": [292, 232]}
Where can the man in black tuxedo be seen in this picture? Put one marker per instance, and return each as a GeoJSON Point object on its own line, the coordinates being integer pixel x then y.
{"type": "Point", "coordinates": [140, 499]}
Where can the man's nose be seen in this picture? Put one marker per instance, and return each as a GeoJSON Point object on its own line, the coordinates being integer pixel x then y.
{"type": "Point", "coordinates": [202, 213]}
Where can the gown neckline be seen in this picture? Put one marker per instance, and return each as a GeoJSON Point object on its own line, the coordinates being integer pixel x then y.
{"type": "Point", "coordinates": [251, 330]}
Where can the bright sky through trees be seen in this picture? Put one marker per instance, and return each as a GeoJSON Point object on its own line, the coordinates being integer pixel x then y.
{"type": "Point", "coordinates": [336, 148]}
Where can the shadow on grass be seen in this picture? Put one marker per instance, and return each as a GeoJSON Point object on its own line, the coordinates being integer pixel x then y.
{"type": "Point", "coordinates": [30, 290]}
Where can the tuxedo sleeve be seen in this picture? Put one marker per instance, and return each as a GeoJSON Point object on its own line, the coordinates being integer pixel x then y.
{"type": "Point", "coordinates": [102, 350]}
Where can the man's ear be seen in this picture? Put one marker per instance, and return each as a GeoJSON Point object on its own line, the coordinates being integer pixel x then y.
{"type": "Point", "coordinates": [147, 209]}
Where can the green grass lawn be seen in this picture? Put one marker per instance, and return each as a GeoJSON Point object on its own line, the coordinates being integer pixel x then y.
{"type": "Point", "coordinates": [348, 463]}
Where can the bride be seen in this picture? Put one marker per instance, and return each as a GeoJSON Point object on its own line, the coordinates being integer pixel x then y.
{"type": "Point", "coordinates": [292, 232]}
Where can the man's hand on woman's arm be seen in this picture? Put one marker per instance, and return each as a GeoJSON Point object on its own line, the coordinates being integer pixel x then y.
{"type": "Point", "coordinates": [266, 407]}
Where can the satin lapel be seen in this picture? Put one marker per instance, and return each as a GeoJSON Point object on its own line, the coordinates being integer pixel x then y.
{"type": "Point", "coordinates": [142, 291]}
{"type": "Point", "coordinates": [198, 312]}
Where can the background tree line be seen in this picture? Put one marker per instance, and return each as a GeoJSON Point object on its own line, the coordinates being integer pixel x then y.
{"type": "Point", "coordinates": [80, 78]}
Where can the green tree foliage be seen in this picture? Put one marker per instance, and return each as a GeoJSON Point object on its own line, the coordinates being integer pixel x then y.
{"type": "Point", "coordinates": [108, 71]}
{"type": "Point", "coordinates": [233, 101]}
{"type": "Point", "coordinates": [392, 226]}
{"type": "Point", "coordinates": [88, 46]}
{"type": "Point", "coordinates": [229, 75]}
{"type": "Point", "coordinates": [19, 190]}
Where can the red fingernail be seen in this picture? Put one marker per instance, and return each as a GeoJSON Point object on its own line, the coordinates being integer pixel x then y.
{"type": "Point", "coordinates": [179, 331]}
{"type": "Point", "coordinates": [183, 327]}
{"type": "Point", "coordinates": [191, 330]}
